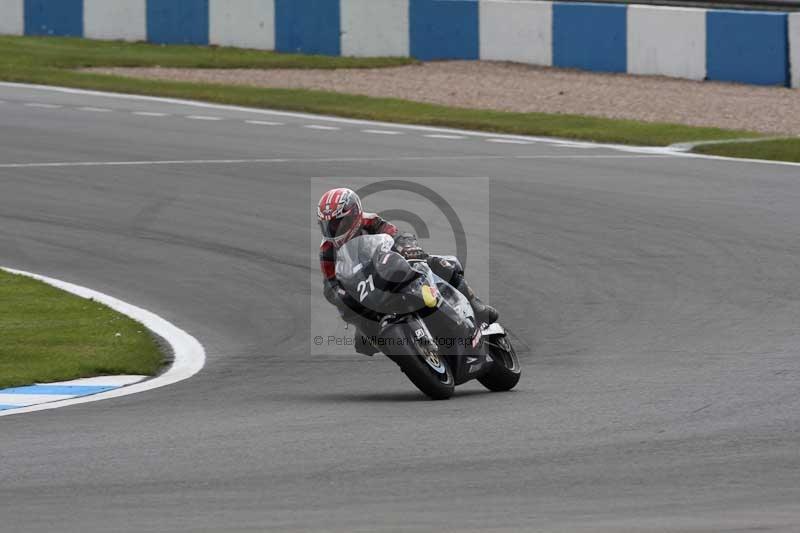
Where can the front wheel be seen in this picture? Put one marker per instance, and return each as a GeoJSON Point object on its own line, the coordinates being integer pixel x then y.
{"type": "Point", "coordinates": [429, 371]}
{"type": "Point", "coordinates": [419, 361]}
{"type": "Point", "coordinates": [505, 372]}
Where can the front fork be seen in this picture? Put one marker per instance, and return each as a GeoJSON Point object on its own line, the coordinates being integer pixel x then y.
{"type": "Point", "coordinates": [420, 334]}
{"type": "Point", "coordinates": [467, 360]}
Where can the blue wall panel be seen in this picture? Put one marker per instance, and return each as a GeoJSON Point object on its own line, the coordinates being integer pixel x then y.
{"type": "Point", "coordinates": [590, 36]}
{"type": "Point", "coordinates": [177, 21]}
{"type": "Point", "coordinates": [308, 26]}
{"type": "Point", "coordinates": [444, 29]}
{"type": "Point", "coordinates": [749, 47]}
{"type": "Point", "coordinates": [54, 17]}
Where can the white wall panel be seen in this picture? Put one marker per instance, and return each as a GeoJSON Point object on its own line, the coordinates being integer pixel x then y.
{"type": "Point", "coordinates": [115, 19]}
{"type": "Point", "coordinates": [668, 41]}
{"type": "Point", "coordinates": [11, 17]}
{"type": "Point", "coordinates": [794, 48]}
{"type": "Point", "coordinates": [242, 23]}
{"type": "Point", "coordinates": [375, 28]}
{"type": "Point", "coordinates": [516, 31]}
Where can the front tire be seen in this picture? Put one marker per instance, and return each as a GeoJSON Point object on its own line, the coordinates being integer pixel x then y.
{"type": "Point", "coordinates": [505, 372]}
{"type": "Point", "coordinates": [430, 373]}
{"type": "Point", "coordinates": [419, 361]}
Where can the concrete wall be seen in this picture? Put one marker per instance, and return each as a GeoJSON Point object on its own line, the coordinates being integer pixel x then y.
{"type": "Point", "coordinates": [54, 17]}
{"type": "Point", "coordinates": [794, 48]}
{"type": "Point", "coordinates": [242, 23]}
{"type": "Point", "coordinates": [740, 46]}
{"type": "Point", "coordinates": [373, 28]}
{"type": "Point", "coordinates": [748, 47]}
{"type": "Point", "coordinates": [590, 36]}
{"type": "Point", "coordinates": [177, 21]}
{"type": "Point", "coordinates": [115, 19]}
{"type": "Point", "coordinates": [308, 26]}
{"type": "Point", "coordinates": [511, 30]}
{"type": "Point", "coordinates": [444, 29]}
{"type": "Point", "coordinates": [667, 41]}
{"type": "Point", "coordinates": [12, 17]}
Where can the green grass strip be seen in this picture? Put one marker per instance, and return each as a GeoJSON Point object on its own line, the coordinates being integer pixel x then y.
{"type": "Point", "coordinates": [389, 109]}
{"type": "Point", "coordinates": [775, 150]}
{"type": "Point", "coordinates": [51, 61]}
{"type": "Point", "coordinates": [49, 335]}
{"type": "Point", "coordinates": [72, 53]}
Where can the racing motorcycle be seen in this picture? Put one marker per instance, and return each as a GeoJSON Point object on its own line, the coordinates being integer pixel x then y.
{"type": "Point", "coordinates": [421, 322]}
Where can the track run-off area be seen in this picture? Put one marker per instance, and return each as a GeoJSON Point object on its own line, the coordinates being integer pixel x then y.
{"type": "Point", "coordinates": [655, 297]}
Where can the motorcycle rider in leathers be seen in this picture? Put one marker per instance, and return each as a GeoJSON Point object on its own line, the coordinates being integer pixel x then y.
{"type": "Point", "coordinates": [342, 218]}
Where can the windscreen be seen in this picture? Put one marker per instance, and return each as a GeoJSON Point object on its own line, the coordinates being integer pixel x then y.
{"type": "Point", "coordinates": [351, 257]}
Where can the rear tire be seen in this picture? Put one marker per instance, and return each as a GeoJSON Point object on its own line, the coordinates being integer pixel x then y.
{"type": "Point", "coordinates": [505, 372]}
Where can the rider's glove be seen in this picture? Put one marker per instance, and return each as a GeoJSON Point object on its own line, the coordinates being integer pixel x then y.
{"type": "Point", "coordinates": [407, 245]}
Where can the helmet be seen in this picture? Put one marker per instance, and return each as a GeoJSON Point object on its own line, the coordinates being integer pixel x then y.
{"type": "Point", "coordinates": [339, 213]}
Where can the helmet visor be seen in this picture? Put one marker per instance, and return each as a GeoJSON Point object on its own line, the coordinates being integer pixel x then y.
{"type": "Point", "coordinates": [338, 226]}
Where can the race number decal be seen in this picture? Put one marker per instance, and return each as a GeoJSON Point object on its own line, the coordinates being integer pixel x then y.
{"type": "Point", "coordinates": [365, 287]}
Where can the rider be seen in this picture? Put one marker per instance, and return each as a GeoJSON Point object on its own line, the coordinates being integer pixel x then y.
{"type": "Point", "coordinates": [341, 218]}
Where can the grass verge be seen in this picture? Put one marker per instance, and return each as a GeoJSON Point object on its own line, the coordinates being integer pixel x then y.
{"type": "Point", "coordinates": [51, 61]}
{"type": "Point", "coordinates": [775, 150]}
{"type": "Point", "coordinates": [72, 53]}
{"type": "Point", "coordinates": [50, 335]}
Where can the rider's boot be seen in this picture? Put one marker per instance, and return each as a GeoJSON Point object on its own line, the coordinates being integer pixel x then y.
{"type": "Point", "coordinates": [483, 313]}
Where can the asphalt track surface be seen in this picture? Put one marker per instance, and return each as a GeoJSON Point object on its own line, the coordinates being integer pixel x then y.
{"type": "Point", "coordinates": [658, 297]}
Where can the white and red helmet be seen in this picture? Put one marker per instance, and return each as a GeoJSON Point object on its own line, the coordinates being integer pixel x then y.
{"type": "Point", "coordinates": [339, 213]}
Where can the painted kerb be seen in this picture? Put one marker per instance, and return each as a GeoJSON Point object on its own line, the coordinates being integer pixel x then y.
{"type": "Point", "coordinates": [189, 356]}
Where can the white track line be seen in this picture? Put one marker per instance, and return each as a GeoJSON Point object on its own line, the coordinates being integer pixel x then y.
{"type": "Point", "coordinates": [507, 141]}
{"type": "Point", "coordinates": [383, 132]}
{"type": "Point", "coordinates": [444, 136]}
{"type": "Point", "coordinates": [43, 106]}
{"type": "Point", "coordinates": [319, 160]}
{"type": "Point", "coordinates": [106, 381]}
{"type": "Point", "coordinates": [321, 127]}
{"type": "Point", "coordinates": [189, 356]}
{"type": "Point", "coordinates": [95, 109]}
{"type": "Point", "coordinates": [368, 123]}
{"type": "Point", "coordinates": [148, 114]}
{"type": "Point", "coordinates": [264, 123]}
{"type": "Point", "coordinates": [202, 117]}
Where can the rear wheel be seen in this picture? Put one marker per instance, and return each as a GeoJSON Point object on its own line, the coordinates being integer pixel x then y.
{"type": "Point", "coordinates": [505, 372]}
{"type": "Point", "coordinates": [430, 372]}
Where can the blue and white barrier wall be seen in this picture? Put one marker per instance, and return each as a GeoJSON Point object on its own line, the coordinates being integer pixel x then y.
{"type": "Point", "coordinates": [242, 23]}
{"type": "Point", "coordinates": [742, 46]}
{"type": "Point", "coordinates": [516, 31]}
{"type": "Point", "coordinates": [667, 41]}
{"type": "Point", "coordinates": [794, 48]}
{"type": "Point", "coordinates": [375, 28]}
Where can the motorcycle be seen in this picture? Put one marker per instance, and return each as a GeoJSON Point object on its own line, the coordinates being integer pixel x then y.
{"type": "Point", "coordinates": [421, 322]}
